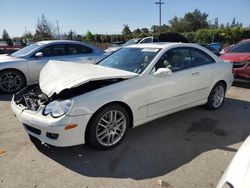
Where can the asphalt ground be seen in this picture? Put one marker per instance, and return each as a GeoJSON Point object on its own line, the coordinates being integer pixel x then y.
{"type": "Point", "coordinates": [189, 149]}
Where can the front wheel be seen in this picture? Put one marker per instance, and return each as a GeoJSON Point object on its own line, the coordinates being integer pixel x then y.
{"type": "Point", "coordinates": [216, 97]}
{"type": "Point", "coordinates": [11, 81]}
{"type": "Point", "coordinates": [108, 127]}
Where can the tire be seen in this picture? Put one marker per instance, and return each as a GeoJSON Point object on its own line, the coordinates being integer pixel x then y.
{"type": "Point", "coordinates": [108, 127]}
{"type": "Point", "coordinates": [216, 96]}
{"type": "Point", "coordinates": [11, 81]}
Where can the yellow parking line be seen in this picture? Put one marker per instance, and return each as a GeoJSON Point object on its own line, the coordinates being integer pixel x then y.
{"type": "Point", "coordinates": [2, 151]}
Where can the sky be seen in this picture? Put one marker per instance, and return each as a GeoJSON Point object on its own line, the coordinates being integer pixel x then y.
{"type": "Point", "coordinates": [109, 16]}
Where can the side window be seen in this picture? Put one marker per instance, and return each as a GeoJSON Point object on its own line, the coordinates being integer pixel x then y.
{"type": "Point", "coordinates": [175, 59]}
{"type": "Point", "coordinates": [54, 50]}
{"type": "Point", "coordinates": [47, 51]}
{"type": "Point", "coordinates": [146, 40]}
{"type": "Point", "coordinates": [58, 50]}
{"type": "Point", "coordinates": [200, 58]}
{"type": "Point", "coordinates": [75, 49]}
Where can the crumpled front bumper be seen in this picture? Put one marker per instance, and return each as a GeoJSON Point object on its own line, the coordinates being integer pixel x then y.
{"type": "Point", "coordinates": [40, 126]}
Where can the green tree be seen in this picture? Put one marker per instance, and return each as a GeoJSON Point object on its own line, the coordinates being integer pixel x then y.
{"type": "Point", "coordinates": [192, 21]}
{"type": "Point", "coordinates": [89, 36]}
{"type": "Point", "coordinates": [44, 29]}
{"type": "Point", "coordinates": [144, 30]}
{"type": "Point", "coordinates": [5, 35]}
{"type": "Point", "coordinates": [126, 30]}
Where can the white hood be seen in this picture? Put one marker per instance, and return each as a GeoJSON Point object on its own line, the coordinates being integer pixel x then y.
{"type": "Point", "coordinates": [5, 58]}
{"type": "Point", "coordinates": [59, 75]}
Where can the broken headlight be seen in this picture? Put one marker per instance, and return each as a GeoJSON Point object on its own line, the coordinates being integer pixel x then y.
{"type": "Point", "coordinates": [57, 108]}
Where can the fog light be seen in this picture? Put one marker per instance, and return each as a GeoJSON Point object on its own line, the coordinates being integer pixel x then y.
{"type": "Point", "coordinates": [53, 136]}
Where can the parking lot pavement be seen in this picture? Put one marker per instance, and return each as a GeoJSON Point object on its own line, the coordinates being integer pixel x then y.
{"type": "Point", "coordinates": [191, 148]}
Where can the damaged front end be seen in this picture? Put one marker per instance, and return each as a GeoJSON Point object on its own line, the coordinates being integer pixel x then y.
{"type": "Point", "coordinates": [32, 97]}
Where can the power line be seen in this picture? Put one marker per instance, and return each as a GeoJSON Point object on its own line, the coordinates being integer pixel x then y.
{"type": "Point", "coordinates": [160, 3]}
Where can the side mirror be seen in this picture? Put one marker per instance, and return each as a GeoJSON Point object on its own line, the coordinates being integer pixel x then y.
{"type": "Point", "coordinates": [163, 72]}
{"type": "Point", "coordinates": [39, 54]}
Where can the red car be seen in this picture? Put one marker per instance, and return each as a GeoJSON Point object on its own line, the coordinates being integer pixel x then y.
{"type": "Point", "coordinates": [239, 55]}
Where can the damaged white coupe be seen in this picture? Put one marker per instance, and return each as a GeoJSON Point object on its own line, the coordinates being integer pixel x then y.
{"type": "Point", "coordinates": [96, 104]}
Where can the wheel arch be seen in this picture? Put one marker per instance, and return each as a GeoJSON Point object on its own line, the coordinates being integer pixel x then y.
{"type": "Point", "coordinates": [14, 69]}
{"type": "Point", "coordinates": [123, 104]}
{"type": "Point", "coordinates": [223, 82]}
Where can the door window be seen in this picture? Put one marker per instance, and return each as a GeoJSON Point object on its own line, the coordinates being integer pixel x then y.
{"type": "Point", "coordinates": [54, 50]}
{"type": "Point", "coordinates": [175, 59]}
{"type": "Point", "coordinates": [75, 49]}
{"type": "Point", "coordinates": [200, 58]}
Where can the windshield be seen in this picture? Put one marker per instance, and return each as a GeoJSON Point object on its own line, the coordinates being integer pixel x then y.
{"type": "Point", "coordinates": [131, 42]}
{"type": "Point", "coordinates": [131, 59]}
{"type": "Point", "coordinates": [25, 51]}
{"type": "Point", "coordinates": [242, 47]}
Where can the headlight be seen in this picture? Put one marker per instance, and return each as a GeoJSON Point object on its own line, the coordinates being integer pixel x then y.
{"type": "Point", "coordinates": [58, 108]}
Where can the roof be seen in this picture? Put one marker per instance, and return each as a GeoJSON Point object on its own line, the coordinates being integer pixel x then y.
{"type": "Point", "coordinates": [162, 45]}
{"type": "Point", "coordinates": [57, 41]}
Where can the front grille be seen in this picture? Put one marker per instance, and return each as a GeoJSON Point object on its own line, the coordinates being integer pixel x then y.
{"type": "Point", "coordinates": [238, 65]}
{"type": "Point", "coordinates": [32, 129]}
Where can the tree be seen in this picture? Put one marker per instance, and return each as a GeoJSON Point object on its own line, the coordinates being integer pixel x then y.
{"type": "Point", "coordinates": [5, 35]}
{"type": "Point", "coordinates": [89, 36]}
{"type": "Point", "coordinates": [137, 31]}
{"type": "Point", "coordinates": [192, 21]}
{"type": "Point", "coordinates": [233, 24]}
{"type": "Point", "coordinates": [71, 35]}
{"type": "Point", "coordinates": [144, 30]}
{"type": "Point", "coordinates": [126, 30]}
{"type": "Point", "coordinates": [44, 30]}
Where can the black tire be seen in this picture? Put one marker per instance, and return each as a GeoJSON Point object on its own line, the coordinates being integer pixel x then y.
{"type": "Point", "coordinates": [11, 81]}
{"type": "Point", "coordinates": [91, 135]}
{"type": "Point", "coordinates": [211, 103]}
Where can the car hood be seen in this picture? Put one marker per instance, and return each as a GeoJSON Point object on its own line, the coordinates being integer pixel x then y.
{"type": "Point", "coordinates": [238, 172]}
{"type": "Point", "coordinates": [57, 76]}
{"type": "Point", "coordinates": [5, 58]}
{"type": "Point", "coordinates": [235, 57]}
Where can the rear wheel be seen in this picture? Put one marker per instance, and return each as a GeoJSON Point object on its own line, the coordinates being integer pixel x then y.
{"type": "Point", "coordinates": [11, 81]}
{"type": "Point", "coordinates": [108, 127]}
{"type": "Point", "coordinates": [216, 97]}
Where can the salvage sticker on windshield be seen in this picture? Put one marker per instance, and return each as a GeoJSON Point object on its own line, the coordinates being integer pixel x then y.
{"type": "Point", "coordinates": [150, 50]}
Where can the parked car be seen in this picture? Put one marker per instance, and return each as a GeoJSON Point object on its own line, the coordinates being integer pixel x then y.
{"type": "Point", "coordinates": [239, 56]}
{"type": "Point", "coordinates": [23, 67]}
{"type": "Point", "coordinates": [226, 49]}
{"type": "Point", "coordinates": [133, 41]}
{"type": "Point", "coordinates": [97, 104]}
{"type": "Point", "coordinates": [211, 49]}
{"type": "Point", "coordinates": [237, 174]}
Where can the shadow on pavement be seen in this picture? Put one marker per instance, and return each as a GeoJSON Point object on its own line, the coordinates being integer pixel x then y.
{"type": "Point", "coordinates": [245, 84]}
{"type": "Point", "coordinates": [161, 146]}
{"type": "Point", "coordinates": [4, 97]}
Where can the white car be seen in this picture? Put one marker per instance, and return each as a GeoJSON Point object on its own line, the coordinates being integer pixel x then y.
{"type": "Point", "coordinates": [23, 67]}
{"type": "Point", "coordinates": [132, 42]}
{"type": "Point", "coordinates": [237, 174]}
{"type": "Point", "coordinates": [97, 104]}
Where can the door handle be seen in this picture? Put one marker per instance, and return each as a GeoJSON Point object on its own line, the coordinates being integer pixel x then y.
{"type": "Point", "coordinates": [195, 74]}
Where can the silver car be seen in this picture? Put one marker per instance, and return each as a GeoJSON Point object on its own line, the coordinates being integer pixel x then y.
{"type": "Point", "coordinates": [23, 67]}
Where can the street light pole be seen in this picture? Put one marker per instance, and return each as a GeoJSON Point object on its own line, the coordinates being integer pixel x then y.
{"type": "Point", "coordinates": [160, 3]}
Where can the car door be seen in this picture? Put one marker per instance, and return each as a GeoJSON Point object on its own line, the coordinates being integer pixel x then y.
{"type": "Point", "coordinates": [168, 93]}
{"type": "Point", "coordinates": [51, 52]}
{"type": "Point", "coordinates": [201, 74]}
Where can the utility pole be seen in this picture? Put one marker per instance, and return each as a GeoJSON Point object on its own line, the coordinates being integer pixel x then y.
{"type": "Point", "coordinates": [160, 3]}
{"type": "Point", "coordinates": [58, 30]}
